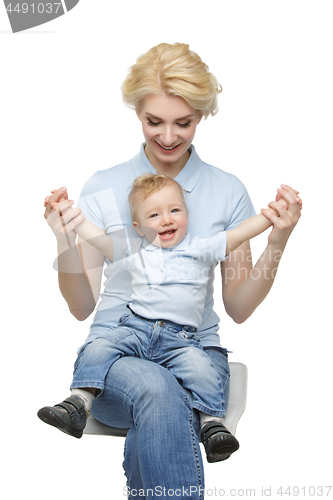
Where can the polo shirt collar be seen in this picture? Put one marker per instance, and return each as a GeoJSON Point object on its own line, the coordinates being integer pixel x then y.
{"type": "Point", "coordinates": [141, 163]}
{"type": "Point", "coordinates": [190, 174]}
{"type": "Point", "coordinates": [187, 177]}
{"type": "Point", "coordinates": [183, 245]}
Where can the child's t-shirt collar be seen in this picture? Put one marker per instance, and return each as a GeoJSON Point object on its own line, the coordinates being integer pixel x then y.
{"type": "Point", "coordinates": [183, 245]}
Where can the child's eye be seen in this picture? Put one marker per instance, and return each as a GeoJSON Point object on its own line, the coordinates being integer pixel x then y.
{"type": "Point", "coordinates": [153, 215]}
{"type": "Point", "coordinates": [174, 210]}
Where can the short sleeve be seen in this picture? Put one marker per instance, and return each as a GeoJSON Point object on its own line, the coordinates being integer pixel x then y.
{"type": "Point", "coordinates": [91, 200]}
{"type": "Point", "coordinates": [124, 249]}
{"type": "Point", "coordinates": [211, 249]}
{"type": "Point", "coordinates": [242, 205]}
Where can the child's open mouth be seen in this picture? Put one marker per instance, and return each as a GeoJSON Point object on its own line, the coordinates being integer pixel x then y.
{"type": "Point", "coordinates": [166, 235]}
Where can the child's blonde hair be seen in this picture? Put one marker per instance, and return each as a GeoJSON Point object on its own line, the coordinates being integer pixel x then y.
{"type": "Point", "coordinates": [147, 184]}
{"type": "Point", "coordinates": [172, 69]}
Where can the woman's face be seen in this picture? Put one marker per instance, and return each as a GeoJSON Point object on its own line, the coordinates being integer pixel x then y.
{"type": "Point", "coordinates": [169, 126]}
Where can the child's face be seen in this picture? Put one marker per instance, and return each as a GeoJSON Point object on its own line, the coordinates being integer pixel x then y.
{"type": "Point", "coordinates": [162, 217]}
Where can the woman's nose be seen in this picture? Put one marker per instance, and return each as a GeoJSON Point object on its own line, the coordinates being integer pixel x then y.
{"type": "Point", "coordinates": [168, 136]}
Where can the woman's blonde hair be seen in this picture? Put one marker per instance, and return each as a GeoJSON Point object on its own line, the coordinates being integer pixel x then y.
{"type": "Point", "coordinates": [147, 184]}
{"type": "Point", "coordinates": [172, 69]}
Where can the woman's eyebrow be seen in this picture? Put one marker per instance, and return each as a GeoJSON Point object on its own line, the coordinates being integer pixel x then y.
{"type": "Point", "coordinates": [177, 119]}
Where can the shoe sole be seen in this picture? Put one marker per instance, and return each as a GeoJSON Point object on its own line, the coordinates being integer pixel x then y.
{"type": "Point", "coordinates": [49, 417]}
{"type": "Point", "coordinates": [222, 451]}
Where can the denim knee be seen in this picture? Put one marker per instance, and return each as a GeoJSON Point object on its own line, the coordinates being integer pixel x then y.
{"type": "Point", "coordinates": [219, 358]}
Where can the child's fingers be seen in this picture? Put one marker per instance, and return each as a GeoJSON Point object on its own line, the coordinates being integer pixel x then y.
{"type": "Point", "coordinates": [270, 214]}
{"type": "Point", "coordinates": [282, 201]}
{"type": "Point", "coordinates": [56, 195]}
{"type": "Point", "coordinates": [69, 215]}
{"type": "Point", "coordinates": [271, 206]}
{"type": "Point", "coordinates": [62, 206]}
{"type": "Point", "coordinates": [279, 206]}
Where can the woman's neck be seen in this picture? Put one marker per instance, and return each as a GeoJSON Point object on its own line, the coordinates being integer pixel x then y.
{"type": "Point", "coordinates": [169, 169]}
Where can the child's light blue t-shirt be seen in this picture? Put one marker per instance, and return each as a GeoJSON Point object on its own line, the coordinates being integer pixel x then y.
{"type": "Point", "coordinates": [217, 201]}
{"type": "Point", "coordinates": [170, 283]}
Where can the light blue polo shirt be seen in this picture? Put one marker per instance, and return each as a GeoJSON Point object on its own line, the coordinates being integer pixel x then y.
{"type": "Point", "coordinates": [170, 283]}
{"type": "Point", "coordinates": [217, 201]}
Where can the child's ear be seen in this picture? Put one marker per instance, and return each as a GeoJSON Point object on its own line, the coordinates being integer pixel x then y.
{"type": "Point", "coordinates": [138, 228]}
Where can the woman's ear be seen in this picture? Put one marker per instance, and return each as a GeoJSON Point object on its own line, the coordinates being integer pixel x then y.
{"type": "Point", "coordinates": [200, 115]}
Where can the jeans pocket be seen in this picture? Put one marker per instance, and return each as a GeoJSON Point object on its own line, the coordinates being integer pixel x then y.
{"type": "Point", "coordinates": [219, 349]}
{"type": "Point", "coordinates": [79, 356]}
{"type": "Point", "coordinates": [124, 319]}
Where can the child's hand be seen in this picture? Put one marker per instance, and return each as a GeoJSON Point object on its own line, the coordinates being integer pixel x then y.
{"type": "Point", "coordinates": [63, 219]}
{"type": "Point", "coordinates": [270, 212]}
{"type": "Point", "coordinates": [57, 195]}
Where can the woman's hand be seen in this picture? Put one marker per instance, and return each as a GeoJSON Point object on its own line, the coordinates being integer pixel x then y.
{"type": "Point", "coordinates": [57, 196]}
{"type": "Point", "coordinates": [61, 217]}
{"type": "Point", "coordinates": [284, 213]}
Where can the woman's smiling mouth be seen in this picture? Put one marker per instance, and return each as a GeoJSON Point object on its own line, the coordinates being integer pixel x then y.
{"type": "Point", "coordinates": [167, 150]}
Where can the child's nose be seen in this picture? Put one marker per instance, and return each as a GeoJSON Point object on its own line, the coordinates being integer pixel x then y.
{"type": "Point", "coordinates": [167, 219]}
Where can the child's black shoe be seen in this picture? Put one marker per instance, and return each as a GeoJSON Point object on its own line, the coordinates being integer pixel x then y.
{"type": "Point", "coordinates": [219, 443]}
{"type": "Point", "coordinates": [69, 416]}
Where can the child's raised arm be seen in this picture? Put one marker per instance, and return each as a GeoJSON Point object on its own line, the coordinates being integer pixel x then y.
{"type": "Point", "coordinates": [245, 231]}
{"type": "Point", "coordinates": [96, 237]}
{"type": "Point", "coordinates": [92, 234]}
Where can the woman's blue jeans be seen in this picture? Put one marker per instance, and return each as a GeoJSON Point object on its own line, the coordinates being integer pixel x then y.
{"type": "Point", "coordinates": [162, 456]}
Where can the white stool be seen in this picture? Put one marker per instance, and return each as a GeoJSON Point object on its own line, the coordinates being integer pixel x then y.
{"type": "Point", "coordinates": [236, 406]}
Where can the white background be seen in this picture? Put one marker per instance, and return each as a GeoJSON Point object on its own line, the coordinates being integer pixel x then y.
{"type": "Point", "coordinates": [62, 119]}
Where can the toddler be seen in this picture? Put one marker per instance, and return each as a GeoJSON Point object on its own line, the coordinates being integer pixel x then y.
{"type": "Point", "coordinates": [169, 271]}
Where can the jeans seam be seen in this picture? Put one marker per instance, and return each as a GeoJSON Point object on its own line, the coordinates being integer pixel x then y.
{"type": "Point", "coordinates": [196, 453]}
{"type": "Point", "coordinates": [126, 474]}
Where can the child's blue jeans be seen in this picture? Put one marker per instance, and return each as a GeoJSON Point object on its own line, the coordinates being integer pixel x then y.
{"type": "Point", "coordinates": [172, 346]}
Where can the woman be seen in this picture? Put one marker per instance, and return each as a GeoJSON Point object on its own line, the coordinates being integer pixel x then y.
{"type": "Point", "coordinates": [171, 90]}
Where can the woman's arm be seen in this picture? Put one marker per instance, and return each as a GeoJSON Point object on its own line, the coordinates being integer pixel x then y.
{"type": "Point", "coordinates": [80, 266]}
{"type": "Point", "coordinates": [244, 287]}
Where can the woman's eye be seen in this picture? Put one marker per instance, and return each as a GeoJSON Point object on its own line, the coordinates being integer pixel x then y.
{"type": "Point", "coordinates": [153, 124]}
{"type": "Point", "coordinates": [184, 125]}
